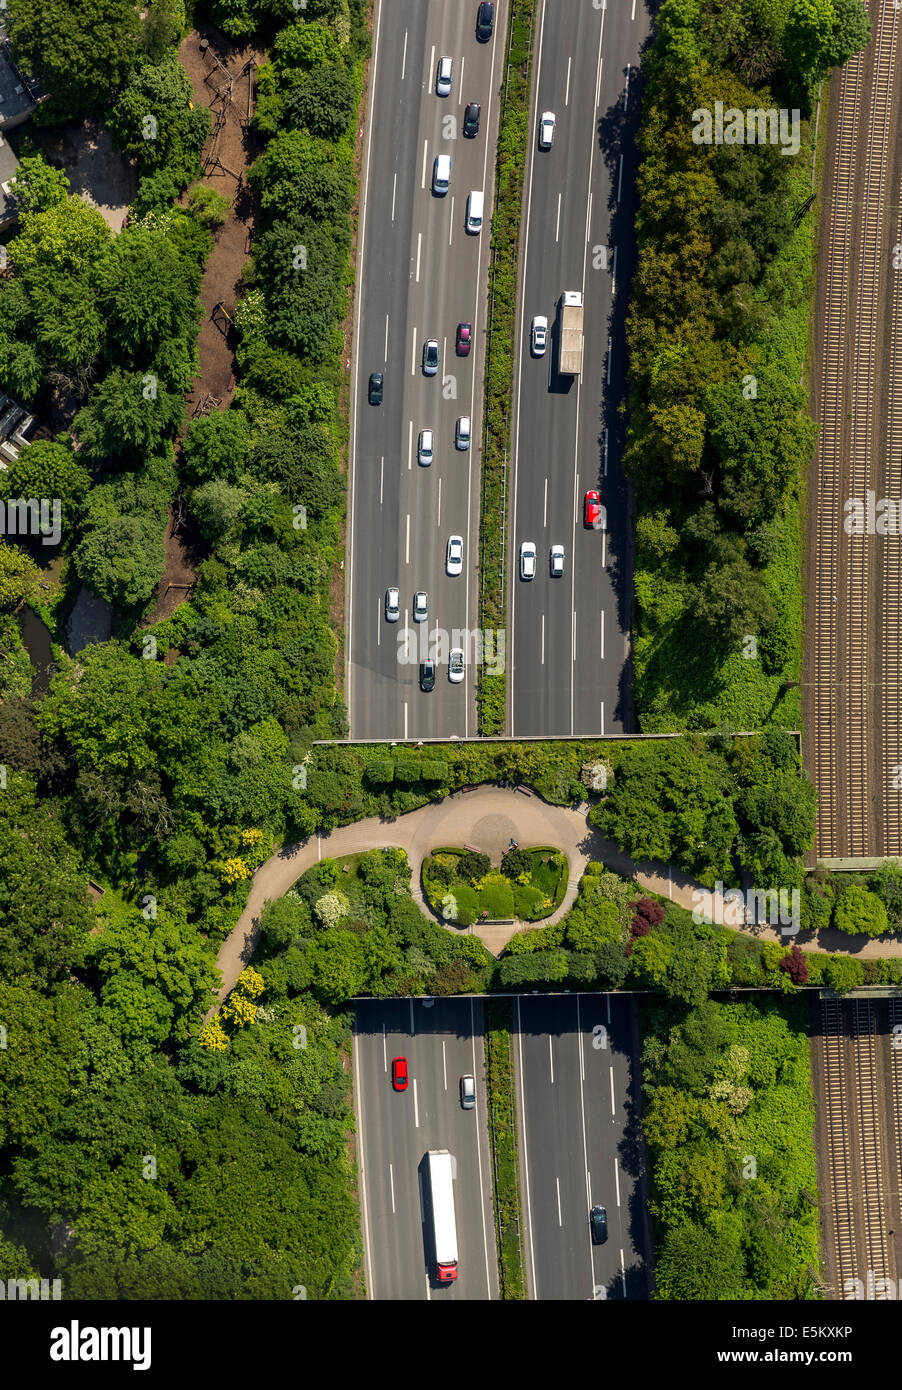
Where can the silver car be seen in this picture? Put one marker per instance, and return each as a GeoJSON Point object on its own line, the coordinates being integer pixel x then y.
{"type": "Point", "coordinates": [443, 77]}
{"type": "Point", "coordinates": [420, 606]}
{"type": "Point", "coordinates": [430, 357]}
{"type": "Point", "coordinates": [539, 335]}
{"type": "Point", "coordinates": [468, 1092]}
{"type": "Point", "coordinates": [528, 560]}
{"type": "Point", "coordinates": [546, 130]}
{"type": "Point", "coordinates": [425, 446]}
{"type": "Point", "coordinates": [392, 605]}
{"type": "Point", "coordinates": [456, 665]}
{"type": "Point", "coordinates": [557, 561]}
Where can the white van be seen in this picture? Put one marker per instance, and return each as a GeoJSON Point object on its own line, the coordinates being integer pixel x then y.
{"type": "Point", "coordinates": [474, 213]}
{"type": "Point", "coordinates": [441, 173]}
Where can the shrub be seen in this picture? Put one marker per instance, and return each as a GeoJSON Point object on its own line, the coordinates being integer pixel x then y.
{"type": "Point", "coordinates": [473, 865]}
{"type": "Point", "coordinates": [858, 910]}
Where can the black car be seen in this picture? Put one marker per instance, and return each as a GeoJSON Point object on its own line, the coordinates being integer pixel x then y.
{"type": "Point", "coordinates": [471, 119]}
{"type": "Point", "coordinates": [485, 21]}
{"type": "Point", "coordinates": [427, 675]}
{"type": "Point", "coordinates": [375, 393]}
{"type": "Point", "coordinates": [598, 1223]}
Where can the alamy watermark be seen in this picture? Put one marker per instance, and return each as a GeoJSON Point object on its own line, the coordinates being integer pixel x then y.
{"type": "Point", "coordinates": [755, 126]}
{"type": "Point", "coordinates": [32, 517]}
{"type": "Point", "coordinates": [24, 1289]}
{"type": "Point", "coordinates": [737, 908]}
{"type": "Point", "coordinates": [869, 517]}
{"type": "Point", "coordinates": [481, 646]}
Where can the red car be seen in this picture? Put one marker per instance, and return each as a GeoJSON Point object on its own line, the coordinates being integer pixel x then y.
{"type": "Point", "coordinates": [464, 332]}
{"type": "Point", "coordinates": [399, 1073]}
{"type": "Point", "coordinates": [594, 514]}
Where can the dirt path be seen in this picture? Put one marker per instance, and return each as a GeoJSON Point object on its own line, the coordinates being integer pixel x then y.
{"type": "Point", "coordinates": [489, 817]}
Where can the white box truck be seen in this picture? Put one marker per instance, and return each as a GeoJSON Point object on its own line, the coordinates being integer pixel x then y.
{"type": "Point", "coordinates": [570, 333]}
{"type": "Point", "coordinates": [444, 1227]}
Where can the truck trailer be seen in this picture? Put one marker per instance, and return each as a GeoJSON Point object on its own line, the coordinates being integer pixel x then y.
{"type": "Point", "coordinates": [444, 1227]}
{"type": "Point", "coordinates": [570, 333]}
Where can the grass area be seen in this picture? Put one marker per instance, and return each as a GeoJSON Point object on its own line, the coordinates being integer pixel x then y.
{"type": "Point", "coordinates": [463, 890]}
{"type": "Point", "coordinates": [513, 134]}
{"type": "Point", "coordinates": [503, 1132]}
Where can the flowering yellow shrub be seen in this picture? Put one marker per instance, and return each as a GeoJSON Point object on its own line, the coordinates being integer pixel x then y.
{"type": "Point", "coordinates": [240, 1010]}
{"type": "Point", "coordinates": [251, 981]}
{"type": "Point", "coordinates": [213, 1036]}
{"type": "Point", "coordinates": [233, 870]}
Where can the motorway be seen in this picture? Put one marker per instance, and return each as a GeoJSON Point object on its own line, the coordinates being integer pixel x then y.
{"type": "Point", "coordinates": [580, 1145]}
{"type": "Point", "coordinates": [418, 275]}
{"type": "Point", "coordinates": [442, 1041]}
{"type": "Point", "coordinates": [570, 636]}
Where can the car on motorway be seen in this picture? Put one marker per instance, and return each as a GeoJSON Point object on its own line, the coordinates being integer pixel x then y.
{"type": "Point", "coordinates": [475, 204]}
{"type": "Point", "coordinates": [546, 130]}
{"type": "Point", "coordinates": [539, 335]}
{"type": "Point", "coordinates": [427, 675]}
{"type": "Point", "coordinates": [375, 391]}
{"type": "Point", "coordinates": [392, 605]}
{"type": "Point", "coordinates": [528, 560]}
{"type": "Point", "coordinates": [462, 433]}
{"type": "Point", "coordinates": [557, 561]}
{"type": "Point", "coordinates": [456, 665]}
{"type": "Point", "coordinates": [468, 1092]}
{"type": "Point", "coordinates": [485, 20]}
{"type": "Point", "coordinates": [441, 174]}
{"type": "Point", "coordinates": [471, 119]}
{"type": "Point", "coordinates": [420, 606]}
{"type": "Point", "coordinates": [399, 1073]}
{"type": "Point", "coordinates": [454, 556]}
{"type": "Point", "coordinates": [443, 77]}
{"type": "Point", "coordinates": [464, 339]}
{"type": "Point", "coordinates": [598, 1224]}
{"type": "Point", "coordinates": [594, 514]}
{"type": "Point", "coordinates": [430, 357]}
{"type": "Point", "coordinates": [425, 447]}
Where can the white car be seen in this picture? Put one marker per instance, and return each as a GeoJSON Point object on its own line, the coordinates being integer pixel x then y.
{"type": "Point", "coordinates": [557, 561]}
{"type": "Point", "coordinates": [539, 335]}
{"type": "Point", "coordinates": [430, 357]}
{"type": "Point", "coordinates": [528, 560]}
{"type": "Point", "coordinates": [420, 606]}
{"type": "Point", "coordinates": [425, 447]}
{"type": "Point", "coordinates": [443, 77]}
{"type": "Point", "coordinates": [546, 130]}
{"type": "Point", "coordinates": [392, 605]}
{"type": "Point", "coordinates": [441, 174]}
{"type": "Point", "coordinates": [462, 433]}
{"type": "Point", "coordinates": [454, 559]}
{"type": "Point", "coordinates": [456, 665]}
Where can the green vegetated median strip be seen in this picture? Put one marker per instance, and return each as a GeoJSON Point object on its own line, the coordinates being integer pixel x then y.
{"type": "Point", "coordinates": [499, 371]}
{"type": "Point", "coordinates": [503, 1128]}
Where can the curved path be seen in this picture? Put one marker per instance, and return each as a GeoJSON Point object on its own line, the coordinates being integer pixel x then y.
{"type": "Point", "coordinates": [488, 817]}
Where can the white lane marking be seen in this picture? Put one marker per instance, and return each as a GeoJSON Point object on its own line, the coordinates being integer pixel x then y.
{"type": "Point", "coordinates": [378, 622]}
{"type": "Point", "coordinates": [416, 1105]}
{"type": "Point", "coordinates": [588, 1188]}
{"type": "Point", "coordinates": [573, 637]}
{"type": "Point", "coordinates": [557, 230]}
{"type": "Point", "coordinates": [361, 1163]}
{"type": "Point", "coordinates": [602, 634]}
{"type": "Point", "coordinates": [444, 349]}
{"type": "Point", "coordinates": [407, 542]}
{"type": "Point", "coordinates": [485, 1235]}
{"type": "Point", "coordinates": [430, 76]}
{"type": "Point", "coordinates": [626, 88]}
{"type": "Point", "coordinates": [545, 506]}
{"type": "Point", "coordinates": [550, 1059]}
{"type": "Point", "coordinates": [405, 721]}
{"type": "Point", "coordinates": [569, 66]}
{"type": "Point", "coordinates": [598, 79]}
{"type": "Point", "coordinates": [451, 227]}
{"type": "Point", "coordinates": [413, 359]}
{"type": "Point", "coordinates": [425, 156]}
{"type": "Point", "coordinates": [602, 716]}
{"type": "Point", "coordinates": [384, 1051]}
{"type": "Point", "coordinates": [444, 1067]}
{"type": "Point", "coordinates": [604, 550]}
{"type": "Point", "coordinates": [606, 451]}
{"type": "Point", "coordinates": [610, 355]}
{"type": "Point", "coordinates": [613, 1106]}
{"type": "Point", "coordinates": [532, 1256]}
{"type": "Point", "coordinates": [381, 477]}
{"type": "Point", "coordinates": [617, 1180]}
{"type": "Point", "coordinates": [404, 58]}
{"type": "Point", "coordinates": [460, 79]}
{"type": "Point", "coordinates": [386, 337]}
{"type": "Point", "coordinates": [391, 1179]}
{"type": "Point", "coordinates": [409, 444]}
{"type": "Point", "coordinates": [614, 274]}
{"type": "Point", "coordinates": [394, 191]}
{"type": "Point", "coordinates": [633, 15]}
{"type": "Point", "coordinates": [439, 520]}
{"type": "Point", "coordinates": [543, 639]}
{"type": "Point", "coordinates": [557, 1184]}
{"type": "Point", "coordinates": [419, 249]}
{"type": "Point", "coordinates": [589, 219]}
{"type": "Point", "coordinates": [619, 178]}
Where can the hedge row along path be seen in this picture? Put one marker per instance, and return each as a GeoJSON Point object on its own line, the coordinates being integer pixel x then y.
{"type": "Point", "coordinates": [488, 817]}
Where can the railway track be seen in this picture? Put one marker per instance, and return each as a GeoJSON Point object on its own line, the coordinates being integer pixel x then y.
{"type": "Point", "coordinates": [855, 658]}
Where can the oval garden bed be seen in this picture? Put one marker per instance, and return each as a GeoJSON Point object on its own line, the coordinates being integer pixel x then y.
{"type": "Point", "coordinates": [462, 886]}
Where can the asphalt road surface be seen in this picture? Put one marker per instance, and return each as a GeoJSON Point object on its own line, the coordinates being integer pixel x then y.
{"type": "Point", "coordinates": [570, 636]}
{"type": "Point", "coordinates": [419, 274]}
{"type": "Point", "coordinates": [580, 1145]}
{"type": "Point", "coordinates": [395, 1130]}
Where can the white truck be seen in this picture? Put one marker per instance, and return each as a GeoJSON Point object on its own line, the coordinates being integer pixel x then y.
{"type": "Point", "coordinates": [444, 1227]}
{"type": "Point", "coordinates": [570, 333]}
